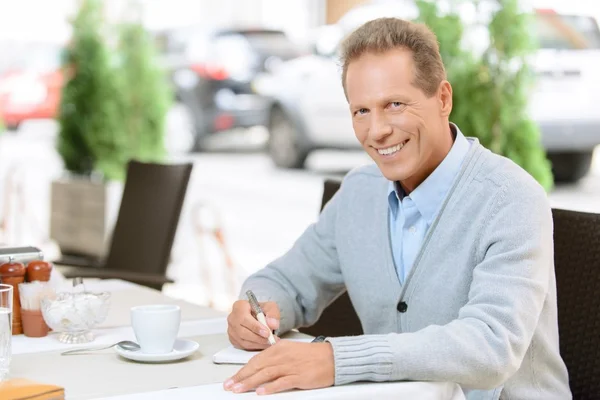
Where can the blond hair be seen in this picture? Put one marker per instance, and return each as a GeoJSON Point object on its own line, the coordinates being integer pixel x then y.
{"type": "Point", "coordinates": [384, 34]}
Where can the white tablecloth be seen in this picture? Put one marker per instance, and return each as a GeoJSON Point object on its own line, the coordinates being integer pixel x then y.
{"type": "Point", "coordinates": [24, 345]}
{"type": "Point", "coordinates": [210, 332]}
{"type": "Point", "coordinates": [391, 390]}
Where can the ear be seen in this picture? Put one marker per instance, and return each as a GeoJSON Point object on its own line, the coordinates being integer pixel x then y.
{"type": "Point", "coordinates": [445, 98]}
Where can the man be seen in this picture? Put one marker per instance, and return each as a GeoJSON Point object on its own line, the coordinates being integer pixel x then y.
{"type": "Point", "coordinates": [444, 247]}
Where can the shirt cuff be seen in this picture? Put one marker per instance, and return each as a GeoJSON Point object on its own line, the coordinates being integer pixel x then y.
{"type": "Point", "coordinates": [362, 358]}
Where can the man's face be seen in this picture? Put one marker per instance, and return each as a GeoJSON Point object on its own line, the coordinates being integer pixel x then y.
{"type": "Point", "coordinates": [401, 128]}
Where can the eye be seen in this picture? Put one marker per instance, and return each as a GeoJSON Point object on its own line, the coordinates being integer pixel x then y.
{"type": "Point", "coordinates": [396, 104]}
{"type": "Point", "coordinates": [361, 111]}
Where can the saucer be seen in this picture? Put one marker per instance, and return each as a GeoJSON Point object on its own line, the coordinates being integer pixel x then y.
{"type": "Point", "coordinates": [182, 349]}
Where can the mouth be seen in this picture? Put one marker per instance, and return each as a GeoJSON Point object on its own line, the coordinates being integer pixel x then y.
{"type": "Point", "coordinates": [392, 150]}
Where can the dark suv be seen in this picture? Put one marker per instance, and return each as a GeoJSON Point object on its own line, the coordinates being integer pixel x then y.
{"type": "Point", "coordinates": [212, 74]}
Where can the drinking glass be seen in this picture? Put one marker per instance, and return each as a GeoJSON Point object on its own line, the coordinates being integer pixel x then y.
{"type": "Point", "coordinates": [6, 308]}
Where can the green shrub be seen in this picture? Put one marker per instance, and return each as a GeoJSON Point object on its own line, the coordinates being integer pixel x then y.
{"type": "Point", "coordinates": [92, 131]}
{"type": "Point", "coordinates": [491, 91]}
{"type": "Point", "coordinates": [145, 94]}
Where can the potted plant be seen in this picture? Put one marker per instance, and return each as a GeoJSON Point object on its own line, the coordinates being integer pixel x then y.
{"type": "Point", "coordinates": [107, 116]}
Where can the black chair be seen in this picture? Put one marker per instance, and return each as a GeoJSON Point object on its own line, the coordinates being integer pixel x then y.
{"type": "Point", "coordinates": [577, 263]}
{"type": "Point", "coordinates": [143, 235]}
{"type": "Point", "coordinates": [339, 318]}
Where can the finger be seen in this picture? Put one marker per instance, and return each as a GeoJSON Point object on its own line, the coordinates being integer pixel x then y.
{"type": "Point", "coordinates": [246, 339]}
{"type": "Point", "coordinates": [271, 309]}
{"type": "Point", "coordinates": [272, 314]}
{"type": "Point", "coordinates": [236, 316]}
{"type": "Point", "coordinates": [241, 317]}
{"type": "Point", "coordinates": [257, 379]}
{"type": "Point", "coordinates": [253, 346]}
{"type": "Point", "coordinates": [279, 385]}
{"type": "Point", "coordinates": [255, 327]}
{"type": "Point", "coordinates": [235, 343]}
{"type": "Point", "coordinates": [273, 323]}
{"type": "Point", "coordinates": [241, 328]}
{"type": "Point", "coordinates": [252, 367]}
{"type": "Point", "coordinates": [270, 357]}
{"type": "Point", "coordinates": [241, 306]}
{"type": "Point", "coordinates": [232, 335]}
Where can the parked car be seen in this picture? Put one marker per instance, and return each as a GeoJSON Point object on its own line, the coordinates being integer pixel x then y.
{"type": "Point", "coordinates": [309, 110]}
{"type": "Point", "coordinates": [30, 84]}
{"type": "Point", "coordinates": [211, 72]}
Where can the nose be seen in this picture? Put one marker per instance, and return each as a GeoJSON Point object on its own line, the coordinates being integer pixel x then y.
{"type": "Point", "coordinates": [379, 128]}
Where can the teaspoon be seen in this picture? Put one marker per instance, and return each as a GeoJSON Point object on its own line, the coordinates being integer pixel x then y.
{"type": "Point", "coordinates": [124, 344]}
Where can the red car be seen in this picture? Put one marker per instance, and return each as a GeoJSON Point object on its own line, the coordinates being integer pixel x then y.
{"type": "Point", "coordinates": [30, 88]}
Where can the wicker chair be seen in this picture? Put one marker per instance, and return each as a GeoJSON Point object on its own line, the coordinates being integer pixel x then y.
{"type": "Point", "coordinates": [577, 263]}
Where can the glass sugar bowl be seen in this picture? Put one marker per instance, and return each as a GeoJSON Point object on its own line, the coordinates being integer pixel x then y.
{"type": "Point", "coordinates": [73, 315]}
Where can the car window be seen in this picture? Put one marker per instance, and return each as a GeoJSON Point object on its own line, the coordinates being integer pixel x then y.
{"type": "Point", "coordinates": [567, 32]}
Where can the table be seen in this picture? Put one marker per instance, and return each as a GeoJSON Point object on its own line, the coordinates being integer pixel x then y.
{"type": "Point", "coordinates": [105, 375]}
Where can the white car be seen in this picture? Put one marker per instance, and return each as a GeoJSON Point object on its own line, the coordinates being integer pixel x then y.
{"type": "Point", "coordinates": [309, 110]}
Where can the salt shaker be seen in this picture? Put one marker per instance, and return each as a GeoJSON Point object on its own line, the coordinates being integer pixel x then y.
{"type": "Point", "coordinates": [13, 273]}
{"type": "Point", "coordinates": [39, 270]}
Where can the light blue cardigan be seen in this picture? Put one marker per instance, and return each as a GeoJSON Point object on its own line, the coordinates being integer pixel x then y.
{"type": "Point", "coordinates": [478, 307]}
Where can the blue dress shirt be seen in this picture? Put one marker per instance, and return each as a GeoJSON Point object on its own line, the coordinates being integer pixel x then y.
{"type": "Point", "coordinates": [411, 215]}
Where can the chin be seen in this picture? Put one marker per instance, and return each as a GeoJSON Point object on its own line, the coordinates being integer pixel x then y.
{"type": "Point", "coordinates": [393, 174]}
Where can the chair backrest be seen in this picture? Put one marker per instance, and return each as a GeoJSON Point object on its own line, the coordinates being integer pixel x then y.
{"type": "Point", "coordinates": [148, 217]}
{"type": "Point", "coordinates": [339, 318]}
{"type": "Point", "coordinates": [577, 265]}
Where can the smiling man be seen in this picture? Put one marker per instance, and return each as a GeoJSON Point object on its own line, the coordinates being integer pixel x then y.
{"type": "Point", "coordinates": [445, 249]}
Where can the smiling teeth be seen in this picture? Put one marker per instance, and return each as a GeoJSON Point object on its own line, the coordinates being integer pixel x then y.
{"type": "Point", "coordinates": [390, 150]}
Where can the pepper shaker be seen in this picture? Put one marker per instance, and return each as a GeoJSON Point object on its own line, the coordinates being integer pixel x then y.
{"type": "Point", "coordinates": [13, 273]}
{"type": "Point", "coordinates": [39, 270]}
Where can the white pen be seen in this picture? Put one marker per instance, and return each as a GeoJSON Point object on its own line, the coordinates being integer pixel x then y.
{"type": "Point", "coordinates": [260, 315]}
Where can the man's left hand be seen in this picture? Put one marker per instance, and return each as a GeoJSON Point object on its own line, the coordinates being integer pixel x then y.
{"type": "Point", "coordinates": [284, 366]}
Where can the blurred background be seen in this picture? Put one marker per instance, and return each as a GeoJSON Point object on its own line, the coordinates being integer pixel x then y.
{"type": "Point", "coordinates": [250, 92]}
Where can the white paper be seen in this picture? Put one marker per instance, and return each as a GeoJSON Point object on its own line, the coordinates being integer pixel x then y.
{"type": "Point", "coordinates": [368, 391]}
{"type": "Point", "coordinates": [231, 355]}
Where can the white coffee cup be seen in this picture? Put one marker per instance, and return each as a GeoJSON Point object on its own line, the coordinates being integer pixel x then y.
{"type": "Point", "coordinates": [156, 327]}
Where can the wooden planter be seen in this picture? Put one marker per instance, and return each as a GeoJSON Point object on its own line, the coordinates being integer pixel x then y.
{"type": "Point", "coordinates": [83, 214]}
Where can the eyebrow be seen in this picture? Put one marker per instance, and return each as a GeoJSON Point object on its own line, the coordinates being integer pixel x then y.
{"type": "Point", "coordinates": [385, 100]}
{"type": "Point", "coordinates": [395, 97]}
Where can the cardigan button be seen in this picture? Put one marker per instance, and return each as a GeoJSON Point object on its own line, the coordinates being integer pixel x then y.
{"type": "Point", "coordinates": [402, 307]}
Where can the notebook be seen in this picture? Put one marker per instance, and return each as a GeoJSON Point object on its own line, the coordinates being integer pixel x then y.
{"type": "Point", "coordinates": [231, 355]}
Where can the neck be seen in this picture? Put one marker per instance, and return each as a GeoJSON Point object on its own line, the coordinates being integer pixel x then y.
{"type": "Point", "coordinates": [437, 156]}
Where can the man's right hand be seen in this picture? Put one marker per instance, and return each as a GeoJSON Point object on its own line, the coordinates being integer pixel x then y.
{"type": "Point", "coordinates": [244, 330]}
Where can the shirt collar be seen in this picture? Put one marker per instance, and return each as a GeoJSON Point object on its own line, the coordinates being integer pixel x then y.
{"type": "Point", "coordinates": [430, 194]}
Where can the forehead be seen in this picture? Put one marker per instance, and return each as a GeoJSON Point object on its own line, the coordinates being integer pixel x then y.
{"type": "Point", "coordinates": [378, 74]}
